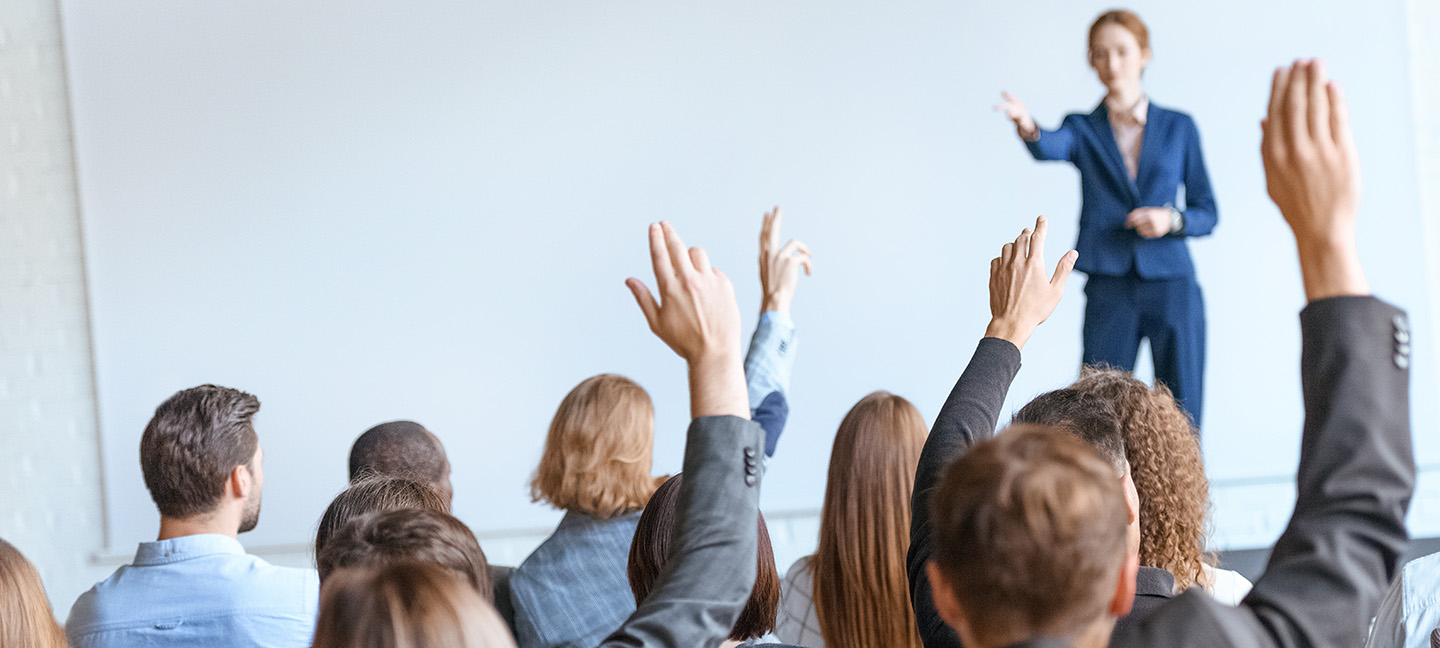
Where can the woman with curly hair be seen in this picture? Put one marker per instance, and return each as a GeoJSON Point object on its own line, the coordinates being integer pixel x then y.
{"type": "Point", "coordinates": [1163, 448]}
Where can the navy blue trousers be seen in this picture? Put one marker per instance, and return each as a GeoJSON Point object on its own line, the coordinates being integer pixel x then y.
{"type": "Point", "coordinates": [1122, 311]}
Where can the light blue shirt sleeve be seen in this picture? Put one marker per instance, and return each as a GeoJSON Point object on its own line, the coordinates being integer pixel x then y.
{"type": "Point", "coordinates": [768, 367]}
{"type": "Point", "coordinates": [1411, 610]}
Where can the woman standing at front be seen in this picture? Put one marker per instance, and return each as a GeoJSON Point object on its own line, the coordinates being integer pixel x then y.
{"type": "Point", "coordinates": [1134, 158]}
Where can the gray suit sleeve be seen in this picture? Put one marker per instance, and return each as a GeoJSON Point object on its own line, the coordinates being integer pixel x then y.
{"type": "Point", "coordinates": [711, 568]}
{"type": "Point", "coordinates": [1341, 548]}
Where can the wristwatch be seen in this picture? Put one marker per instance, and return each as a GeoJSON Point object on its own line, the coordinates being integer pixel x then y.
{"type": "Point", "coordinates": [1177, 220]}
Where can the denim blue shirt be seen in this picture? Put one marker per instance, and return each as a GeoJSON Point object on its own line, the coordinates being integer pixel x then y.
{"type": "Point", "coordinates": [767, 374]}
{"type": "Point", "coordinates": [1411, 611]}
{"type": "Point", "coordinates": [199, 590]}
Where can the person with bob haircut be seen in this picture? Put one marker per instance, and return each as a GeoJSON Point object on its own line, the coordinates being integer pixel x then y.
{"type": "Point", "coordinates": [405, 605]}
{"type": "Point", "coordinates": [651, 550]}
{"type": "Point", "coordinates": [595, 466]}
{"type": "Point", "coordinates": [1133, 156]}
{"type": "Point", "coordinates": [1169, 475]}
{"type": "Point", "coordinates": [1021, 535]}
{"type": "Point", "coordinates": [25, 615]}
{"type": "Point", "coordinates": [852, 592]}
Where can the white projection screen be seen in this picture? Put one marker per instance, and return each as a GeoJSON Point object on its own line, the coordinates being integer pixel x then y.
{"type": "Point", "coordinates": [366, 211]}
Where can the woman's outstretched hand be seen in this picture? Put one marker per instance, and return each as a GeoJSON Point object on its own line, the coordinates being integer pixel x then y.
{"type": "Point", "coordinates": [1015, 111]}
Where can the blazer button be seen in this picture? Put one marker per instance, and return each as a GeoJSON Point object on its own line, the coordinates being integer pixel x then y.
{"type": "Point", "coordinates": [750, 480]}
{"type": "Point", "coordinates": [749, 453]}
{"type": "Point", "coordinates": [1402, 361]}
{"type": "Point", "coordinates": [1403, 337]}
{"type": "Point", "coordinates": [1401, 324]}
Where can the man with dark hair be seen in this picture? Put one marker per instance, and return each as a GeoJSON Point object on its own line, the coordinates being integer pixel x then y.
{"type": "Point", "coordinates": [1021, 537]}
{"type": "Point", "coordinates": [195, 585]}
{"type": "Point", "coordinates": [408, 534]}
{"type": "Point", "coordinates": [402, 449]}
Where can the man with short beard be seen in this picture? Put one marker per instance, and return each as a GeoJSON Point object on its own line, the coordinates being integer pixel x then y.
{"type": "Point", "coordinates": [195, 585]}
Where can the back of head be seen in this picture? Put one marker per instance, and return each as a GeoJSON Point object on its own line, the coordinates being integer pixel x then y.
{"type": "Point", "coordinates": [25, 615]}
{"type": "Point", "coordinates": [1088, 417]}
{"type": "Point", "coordinates": [376, 495]}
{"type": "Point", "coordinates": [401, 449]}
{"type": "Point", "coordinates": [597, 454]}
{"type": "Point", "coordinates": [1163, 449]}
{"type": "Point", "coordinates": [1030, 531]}
{"type": "Point", "coordinates": [194, 441]}
{"type": "Point", "coordinates": [414, 535]}
{"type": "Point", "coordinates": [651, 548]}
{"type": "Point", "coordinates": [406, 605]}
{"type": "Point", "coordinates": [860, 582]}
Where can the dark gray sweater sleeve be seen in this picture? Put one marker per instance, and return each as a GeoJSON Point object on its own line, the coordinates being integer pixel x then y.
{"type": "Point", "coordinates": [711, 568]}
{"type": "Point", "coordinates": [968, 417]}
{"type": "Point", "coordinates": [1330, 568]}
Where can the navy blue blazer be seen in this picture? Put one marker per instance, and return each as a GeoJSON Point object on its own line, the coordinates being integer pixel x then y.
{"type": "Point", "coordinates": [1170, 159]}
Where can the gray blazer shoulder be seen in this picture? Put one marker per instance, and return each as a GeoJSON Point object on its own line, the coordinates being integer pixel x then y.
{"type": "Point", "coordinates": [711, 568]}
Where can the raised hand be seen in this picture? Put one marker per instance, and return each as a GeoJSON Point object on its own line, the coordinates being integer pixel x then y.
{"type": "Point", "coordinates": [1015, 111]}
{"type": "Point", "coordinates": [780, 265]}
{"type": "Point", "coordinates": [698, 318]}
{"type": "Point", "coordinates": [1312, 172]}
{"type": "Point", "coordinates": [1022, 296]}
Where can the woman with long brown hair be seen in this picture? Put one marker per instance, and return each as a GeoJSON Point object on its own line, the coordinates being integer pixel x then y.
{"type": "Point", "coordinates": [853, 592]}
{"type": "Point", "coordinates": [406, 605]}
{"type": "Point", "coordinates": [25, 615]}
{"type": "Point", "coordinates": [1163, 449]}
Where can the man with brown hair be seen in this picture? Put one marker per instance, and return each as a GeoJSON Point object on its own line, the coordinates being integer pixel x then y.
{"type": "Point", "coordinates": [196, 585]}
{"type": "Point", "coordinates": [1021, 538]}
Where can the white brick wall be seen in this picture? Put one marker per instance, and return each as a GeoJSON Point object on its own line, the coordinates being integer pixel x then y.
{"type": "Point", "coordinates": [50, 499]}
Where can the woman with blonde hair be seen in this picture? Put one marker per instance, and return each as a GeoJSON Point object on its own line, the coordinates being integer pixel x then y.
{"type": "Point", "coordinates": [853, 592]}
{"type": "Point", "coordinates": [409, 605]}
{"type": "Point", "coordinates": [1163, 449]}
{"type": "Point", "coordinates": [25, 615]}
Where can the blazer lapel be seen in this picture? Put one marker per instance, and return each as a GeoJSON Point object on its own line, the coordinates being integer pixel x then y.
{"type": "Point", "coordinates": [1110, 151]}
{"type": "Point", "coordinates": [1148, 141]}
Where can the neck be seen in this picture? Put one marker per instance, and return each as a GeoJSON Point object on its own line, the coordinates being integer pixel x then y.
{"type": "Point", "coordinates": [1098, 634]}
{"type": "Point", "coordinates": [730, 643]}
{"type": "Point", "coordinates": [216, 522]}
{"type": "Point", "coordinates": [1123, 98]}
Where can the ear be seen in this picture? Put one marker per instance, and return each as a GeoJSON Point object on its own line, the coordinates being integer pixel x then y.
{"type": "Point", "coordinates": [1132, 496]}
{"type": "Point", "coordinates": [1144, 58]}
{"type": "Point", "coordinates": [1125, 589]}
{"type": "Point", "coordinates": [947, 604]}
{"type": "Point", "coordinates": [239, 483]}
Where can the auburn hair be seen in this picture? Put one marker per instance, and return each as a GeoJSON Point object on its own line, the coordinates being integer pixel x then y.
{"type": "Point", "coordinates": [1030, 534]}
{"type": "Point", "coordinates": [597, 454]}
{"type": "Point", "coordinates": [25, 615]}
{"type": "Point", "coordinates": [1169, 472]}
{"type": "Point", "coordinates": [862, 593]}
{"type": "Point", "coordinates": [1124, 18]}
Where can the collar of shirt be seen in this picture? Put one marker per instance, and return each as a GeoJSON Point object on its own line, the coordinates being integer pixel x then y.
{"type": "Point", "coordinates": [185, 548]}
{"type": "Point", "coordinates": [1135, 116]}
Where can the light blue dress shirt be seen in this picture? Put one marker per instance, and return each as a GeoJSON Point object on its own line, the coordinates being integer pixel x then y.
{"type": "Point", "coordinates": [199, 590]}
{"type": "Point", "coordinates": [1411, 611]}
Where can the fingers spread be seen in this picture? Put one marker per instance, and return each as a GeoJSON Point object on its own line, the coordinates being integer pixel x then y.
{"type": "Point", "coordinates": [645, 300]}
{"type": "Point", "coordinates": [1037, 240]}
{"type": "Point", "coordinates": [1022, 245]}
{"type": "Point", "coordinates": [1063, 268]}
{"type": "Point", "coordinates": [660, 257]}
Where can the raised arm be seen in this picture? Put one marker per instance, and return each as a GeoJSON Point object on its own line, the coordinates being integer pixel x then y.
{"type": "Point", "coordinates": [711, 569]}
{"type": "Point", "coordinates": [772, 349]}
{"type": "Point", "coordinates": [1332, 564]}
{"type": "Point", "coordinates": [1022, 296]}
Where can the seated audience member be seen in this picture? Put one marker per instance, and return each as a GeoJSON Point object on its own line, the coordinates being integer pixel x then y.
{"type": "Point", "coordinates": [852, 592]}
{"type": "Point", "coordinates": [1163, 449]}
{"type": "Point", "coordinates": [1094, 421]}
{"type": "Point", "coordinates": [408, 534]}
{"type": "Point", "coordinates": [405, 605]}
{"type": "Point", "coordinates": [402, 449]}
{"type": "Point", "coordinates": [652, 548]}
{"type": "Point", "coordinates": [1409, 615]}
{"type": "Point", "coordinates": [1023, 535]}
{"type": "Point", "coordinates": [571, 591]}
{"type": "Point", "coordinates": [25, 615]}
{"type": "Point", "coordinates": [196, 585]}
{"type": "Point", "coordinates": [376, 494]}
